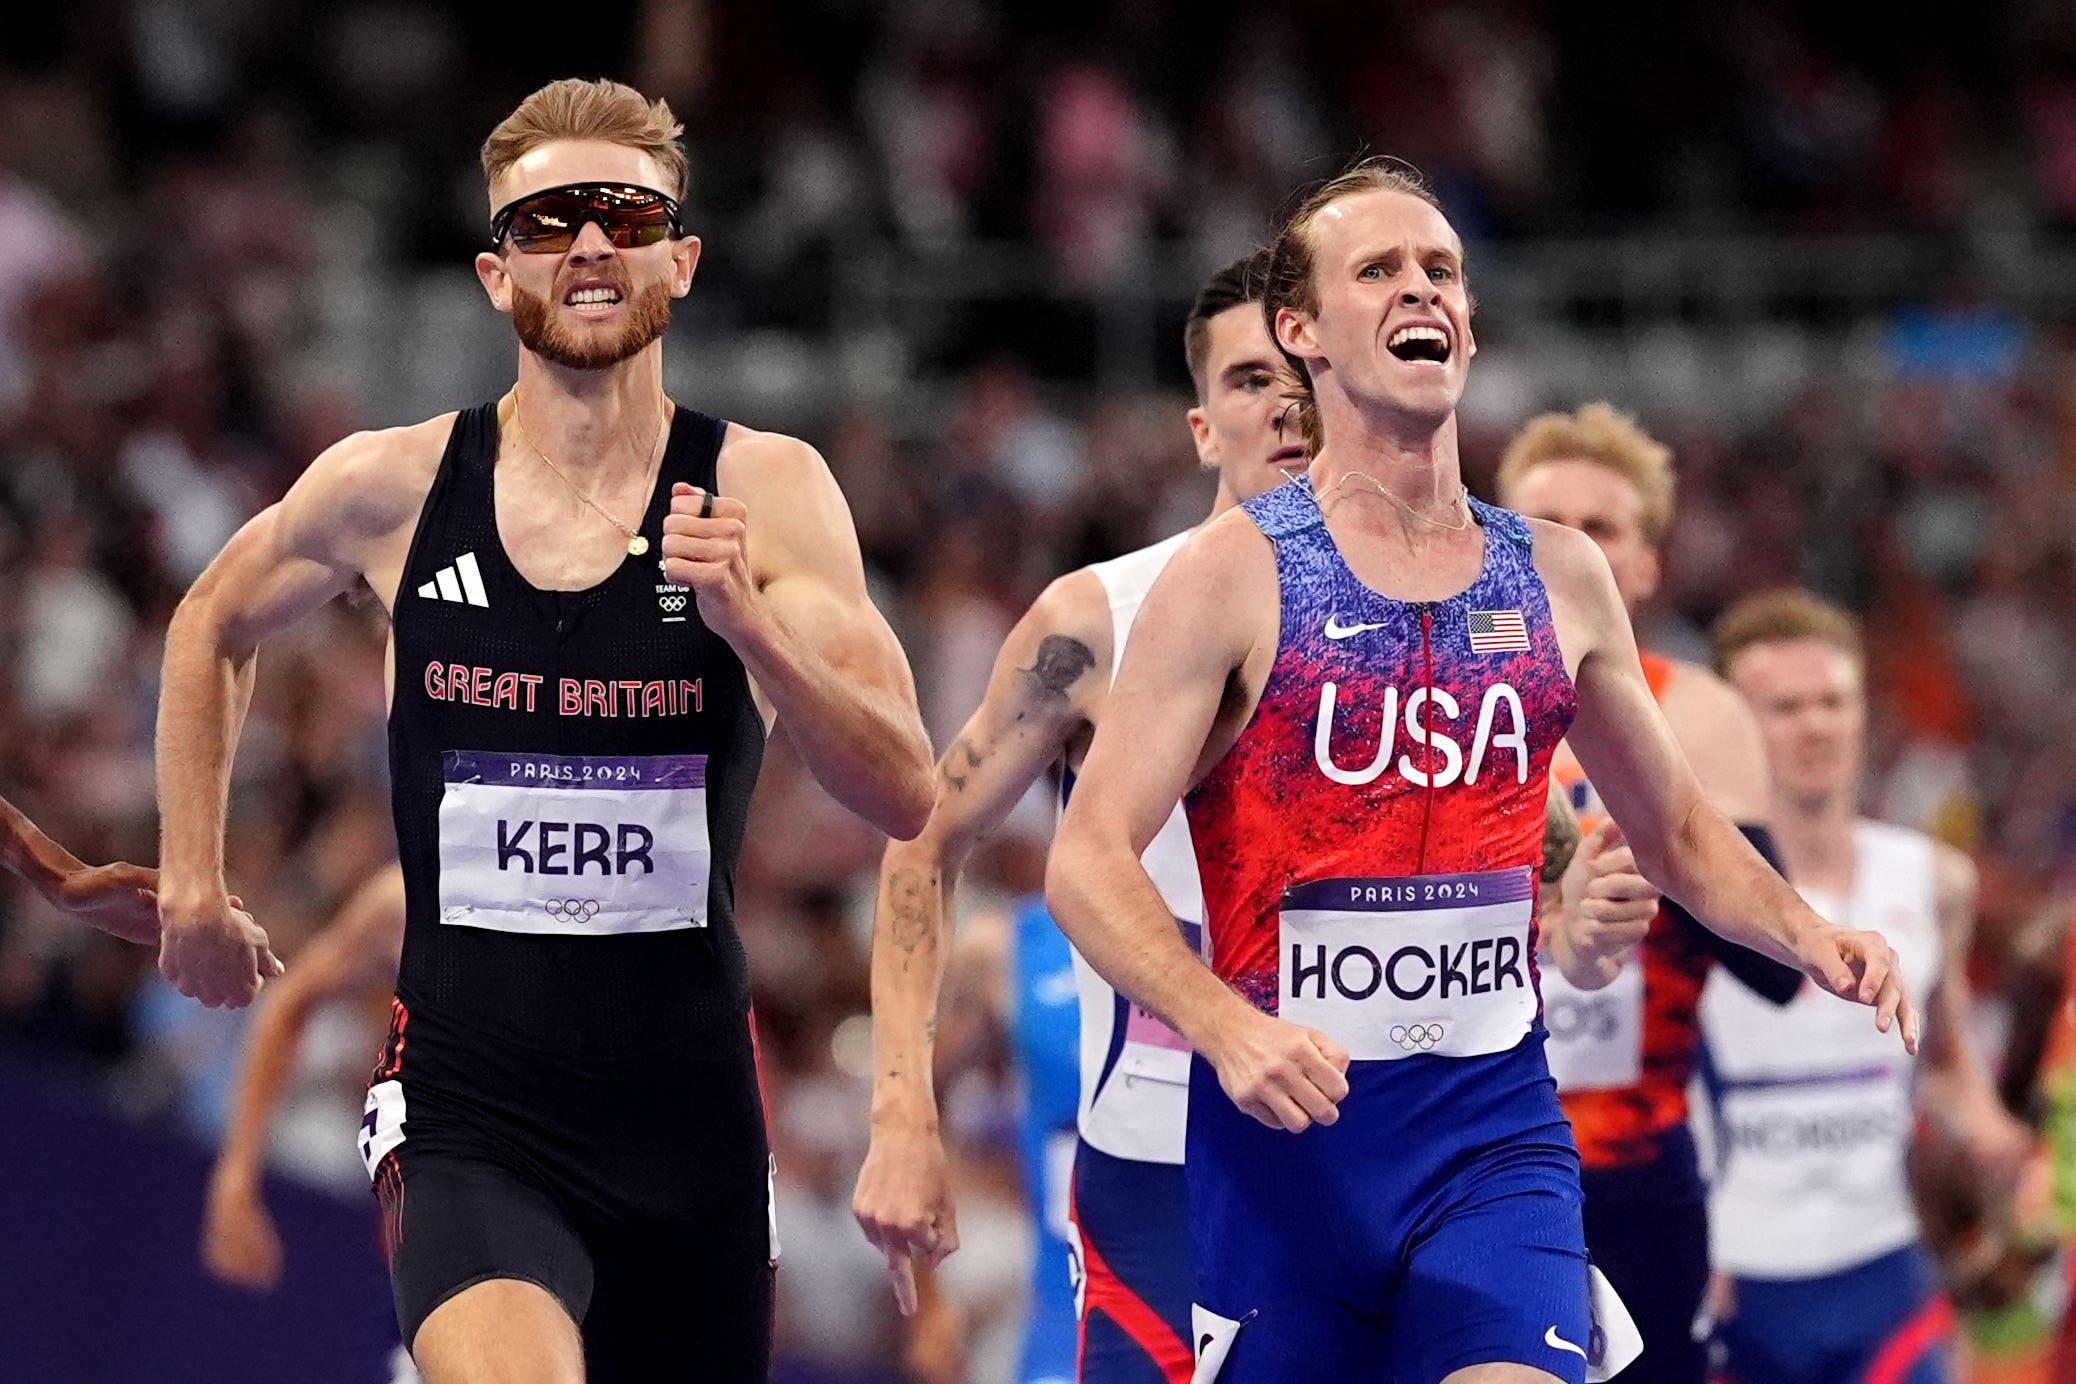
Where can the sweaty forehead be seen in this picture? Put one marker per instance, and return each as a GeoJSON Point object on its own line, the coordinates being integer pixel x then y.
{"type": "Point", "coordinates": [562, 161]}
{"type": "Point", "coordinates": [1382, 218]}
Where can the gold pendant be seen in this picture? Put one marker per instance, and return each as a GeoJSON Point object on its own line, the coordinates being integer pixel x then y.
{"type": "Point", "coordinates": [637, 545]}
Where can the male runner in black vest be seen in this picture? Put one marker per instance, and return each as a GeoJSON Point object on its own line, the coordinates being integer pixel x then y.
{"type": "Point", "coordinates": [594, 594]}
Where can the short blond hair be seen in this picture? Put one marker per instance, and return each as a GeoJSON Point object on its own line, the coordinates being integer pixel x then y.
{"type": "Point", "coordinates": [1605, 436]}
{"type": "Point", "coordinates": [579, 108]}
{"type": "Point", "coordinates": [1779, 617]}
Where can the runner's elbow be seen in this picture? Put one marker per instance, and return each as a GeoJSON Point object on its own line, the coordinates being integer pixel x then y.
{"type": "Point", "coordinates": [1668, 853]}
{"type": "Point", "coordinates": [1059, 893]}
{"type": "Point", "coordinates": [207, 622]}
{"type": "Point", "coordinates": [1069, 867]}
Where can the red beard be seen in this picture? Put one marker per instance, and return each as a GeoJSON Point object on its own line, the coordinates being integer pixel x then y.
{"type": "Point", "coordinates": [534, 320]}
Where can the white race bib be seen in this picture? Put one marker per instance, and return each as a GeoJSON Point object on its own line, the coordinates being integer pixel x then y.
{"type": "Point", "coordinates": [1814, 1176]}
{"type": "Point", "coordinates": [1596, 1036]}
{"type": "Point", "coordinates": [1845, 1137]}
{"type": "Point", "coordinates": [582, 845]}
{"type": "Point", "coordinates": [1390, 968]}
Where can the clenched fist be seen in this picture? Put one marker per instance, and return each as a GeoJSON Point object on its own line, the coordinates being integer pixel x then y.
{"type": "Point", "coordinates": [213, 951]}
{"type": "Point", "coordinates": [1607, 910]}
{"type": "Point", "coordinates": [1284, 1074]}
{"type": "Point", "coordinates": [706, 546]}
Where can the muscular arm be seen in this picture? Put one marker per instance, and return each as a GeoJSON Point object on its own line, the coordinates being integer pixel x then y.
{"type": "Point", "coordinates": [1681, 843]}
{"type": "Point", "coordinates": [283, 564]}
{"type": "Point", "coordinates": [1191, 637]}
{"type": "Point", "coordinates": [812, 639]}
{"type": "Point", "coordinates": [1052, 670]}
{"type": "Point", "coordinates": [1176, 701]}
{"type": "Point", "coordinates": [1053, 667]}
{"type": "Point", "coordinates": [358, 949]}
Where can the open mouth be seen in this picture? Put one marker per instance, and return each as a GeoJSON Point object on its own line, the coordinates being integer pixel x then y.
{"type": "Point", "coordinates": [1286, 456]}
{"type": "Point", "coordinates": [592, 299]}
{"type": "Point", "coordinates": [1429, 344]}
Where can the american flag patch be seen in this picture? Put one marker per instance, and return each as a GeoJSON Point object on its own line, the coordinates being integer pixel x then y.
{"type": "Point", "coordinates": [1498, 632]}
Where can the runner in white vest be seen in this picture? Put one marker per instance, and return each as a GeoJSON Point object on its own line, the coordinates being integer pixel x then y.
{"type": "Point", "coordinates": [1129, 1206]}
{"type": "Point", "coordinates": [1134, 1068]}
{"type": "Point", "coordinates": [1811, 1211]}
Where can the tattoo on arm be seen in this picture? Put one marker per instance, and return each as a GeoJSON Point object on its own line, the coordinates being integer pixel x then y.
{"type": "Point", "coordinates": [959, 763]}
{"type": "Point", "coordinates": [1060, 663]}
{"type": "Point", "coordinates": [908, 922]}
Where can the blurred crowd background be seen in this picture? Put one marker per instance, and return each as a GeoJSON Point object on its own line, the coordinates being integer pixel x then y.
{"type": "Point", "coordinates": [951, 242]}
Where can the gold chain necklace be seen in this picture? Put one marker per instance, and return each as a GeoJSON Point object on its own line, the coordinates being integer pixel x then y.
{"type": "Point", "coordinates": [637, 544]}
{"type": "Point", "coordinates": [1462, 493]}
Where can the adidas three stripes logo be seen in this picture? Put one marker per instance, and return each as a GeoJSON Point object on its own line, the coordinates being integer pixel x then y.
{"type": "Point", "coordinates": [462, 583]}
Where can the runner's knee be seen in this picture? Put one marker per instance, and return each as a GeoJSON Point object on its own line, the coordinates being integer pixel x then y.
{"type": "Point", "coordinates": [500, 1331]}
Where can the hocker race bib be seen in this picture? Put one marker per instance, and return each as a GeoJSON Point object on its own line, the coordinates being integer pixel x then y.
{"type": "Point", "coordinates": [584, 845]}
{"type": "Point", "coordinates": [1394, 967]}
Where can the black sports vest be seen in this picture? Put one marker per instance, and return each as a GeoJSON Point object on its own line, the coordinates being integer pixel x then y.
{"type": "Point", "coordinates": [571, 772]}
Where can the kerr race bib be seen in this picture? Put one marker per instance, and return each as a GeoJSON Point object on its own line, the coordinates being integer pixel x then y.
{"type": "Point", "coordinates": [584, 845]}
{"type": "Point", "coordinates": [1392, 968]}
{"type": "Point", "coordinates": [1596, 1036]}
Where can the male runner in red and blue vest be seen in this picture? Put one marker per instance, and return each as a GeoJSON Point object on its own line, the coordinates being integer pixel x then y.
{"type": "Point", "coordinates": [1357, 681]}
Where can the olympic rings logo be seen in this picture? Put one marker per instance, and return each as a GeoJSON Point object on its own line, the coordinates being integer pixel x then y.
{"type": "Point", "coordinates": [1416, 1037]}
{"type": "Point", "coordinates": [673, 604]}
{"type": "Point", "coordinates": [573, 910]}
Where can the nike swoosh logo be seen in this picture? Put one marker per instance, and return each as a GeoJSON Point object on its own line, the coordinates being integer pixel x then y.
{"type": "Point", "coordinates": [1336, 630]}
{"type": "Point", "coordinates": [1556, 1342]}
